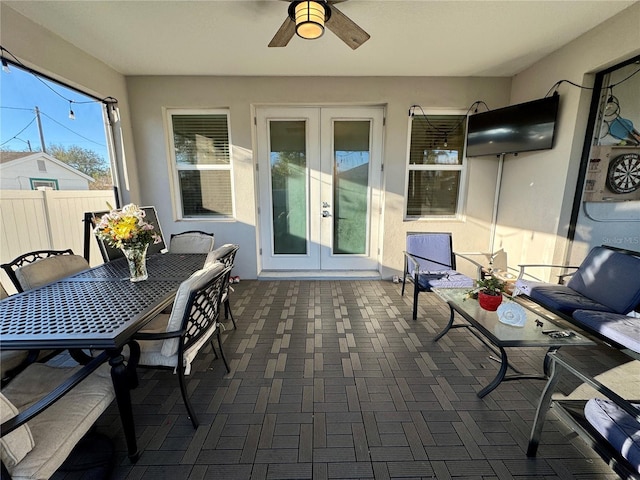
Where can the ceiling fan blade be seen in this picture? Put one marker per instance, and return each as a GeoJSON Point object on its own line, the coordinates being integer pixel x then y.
{"type": "Point", "coordinates": [346, 29]}
{"type": "Point", "coordinates": [284, 34]}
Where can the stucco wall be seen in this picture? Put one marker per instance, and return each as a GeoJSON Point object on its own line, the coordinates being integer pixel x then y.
{"type": "Point", "coordinates": [149, 95]}
{"type": "Point", "coordinates": [539, 188]}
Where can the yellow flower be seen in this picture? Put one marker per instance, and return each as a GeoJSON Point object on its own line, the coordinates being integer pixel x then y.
{"type": "Point", "coordinates": [126, 228]}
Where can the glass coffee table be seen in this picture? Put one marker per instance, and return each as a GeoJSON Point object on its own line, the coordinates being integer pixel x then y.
{"type": "Point", "coordinates": [539, 330]}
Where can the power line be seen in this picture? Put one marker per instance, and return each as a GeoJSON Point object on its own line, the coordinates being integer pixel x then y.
{"type": "Point", "coordinates": [50, 118]}
{"type": "Point", "coordinates": [67, 128]}
{"type": "Point", "coordinates": [18, 108]}
{"type": "Point", "coordinates": [16, 135]}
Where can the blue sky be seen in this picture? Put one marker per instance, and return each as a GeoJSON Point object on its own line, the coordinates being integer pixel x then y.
{"type": "Point", "coordinates": [21, 92]}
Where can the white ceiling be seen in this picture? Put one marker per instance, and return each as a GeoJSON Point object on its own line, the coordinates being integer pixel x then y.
{"type": "Point", "coordinates": [408, 38]}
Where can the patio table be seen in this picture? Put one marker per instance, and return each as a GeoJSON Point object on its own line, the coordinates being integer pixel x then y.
{"type": "Point", "coordinates": [486, 326]}
{"type": "Point", "coordinates": [98, 308]}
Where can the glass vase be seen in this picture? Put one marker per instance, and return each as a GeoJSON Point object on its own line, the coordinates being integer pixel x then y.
{"type": "Point", "coordinates": [137, 258]}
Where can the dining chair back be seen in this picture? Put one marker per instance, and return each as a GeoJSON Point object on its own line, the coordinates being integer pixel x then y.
{"type": "Point", "coordinates": [192, 241]}
{"type": "Point", "coordinates": [226, 255]}
{"type": "Point", "coordinates": [110, 253]}
{"type": "Point", "coordinates": [9, 359]}
{"type": "Point", "coordinates": [38, 268]}
{"type": "Point", "coordinates": [32, 270]}
{"type": "Point", "coordinates": [194, 319]}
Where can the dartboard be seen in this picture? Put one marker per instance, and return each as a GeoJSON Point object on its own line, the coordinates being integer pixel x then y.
{"type": "Point", "coordinates": [624, 173]}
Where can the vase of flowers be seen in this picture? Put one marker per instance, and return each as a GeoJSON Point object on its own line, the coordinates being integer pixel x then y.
{"type": "Point", "coordinates": [128, 230]}
{"type": "Point", "coordinates": [137, 259]}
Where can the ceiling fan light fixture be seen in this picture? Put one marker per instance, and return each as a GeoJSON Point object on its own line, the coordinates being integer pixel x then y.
{"type": "Point", "coordinates": [310, 17]}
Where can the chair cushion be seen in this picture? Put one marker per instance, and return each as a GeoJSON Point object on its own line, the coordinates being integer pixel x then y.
{"type": "Point", "coordinates": [60, 427]}
{"type": "Point", "coordinates": [47, 270]}
{"type": "Point", "coordinates": [191, 242]}
{"type": "Point", "coordinates": [619, 428]}
{"type": "Point", "coordinates": [194, 282]}
{"type": "Point", "coordinates": [14, 446]}
{"type": "Point", "coordinates": [151, 352]}
{"type": "Point", "coordinates": [447, 279]}
{"type": "Point", "coordinates": [563, 299]}
{"type": "Point", "coordinates": [10, 359]}
{"type": "Point", "coordinates": [436, 246]}
{"type": "Point", "coordinates": [621, 329]}
{"type": "Point", "coordinates": [219, 253]}
{"type": "Point", "coordinates": [610, 278]}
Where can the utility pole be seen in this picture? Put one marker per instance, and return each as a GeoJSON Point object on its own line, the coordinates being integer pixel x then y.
{"type": "Point", "coordinates": [44, 150]}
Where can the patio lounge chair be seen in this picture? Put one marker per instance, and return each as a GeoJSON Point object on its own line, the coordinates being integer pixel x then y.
{"type": "Point", "coordinates": [429, 262]}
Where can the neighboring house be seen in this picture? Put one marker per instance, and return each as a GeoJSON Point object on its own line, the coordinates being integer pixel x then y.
{"type": "Point", "coordinates": [37, 171]}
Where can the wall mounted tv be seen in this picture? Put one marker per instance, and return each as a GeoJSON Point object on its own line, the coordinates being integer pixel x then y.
{"type": "Point", "coordinates": [518, 128]}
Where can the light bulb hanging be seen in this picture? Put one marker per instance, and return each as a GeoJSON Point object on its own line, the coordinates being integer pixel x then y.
{"type": "Point", "coordinates": [309, 17]}
{"type": "Point", "coordinates": [72, 116]}
{"type": "Point", "coordinates": [5, 66]}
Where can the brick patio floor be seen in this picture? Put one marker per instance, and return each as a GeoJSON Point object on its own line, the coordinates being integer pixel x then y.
{"type": "Point", "coordinates": [332, 379]}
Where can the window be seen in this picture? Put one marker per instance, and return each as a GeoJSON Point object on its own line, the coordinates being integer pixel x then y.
{"type": "Point", "coordinates": [201, 163]}
{"type": "Point", "coordinates": [43, 184]}
{"type": "Point", "coordinates": [436, 165]}
{"type": "Point", "coordinates": [77, 140]}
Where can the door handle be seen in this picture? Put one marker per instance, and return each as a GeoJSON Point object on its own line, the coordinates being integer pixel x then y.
{"type": "Point", "coordinates": [325, 213]}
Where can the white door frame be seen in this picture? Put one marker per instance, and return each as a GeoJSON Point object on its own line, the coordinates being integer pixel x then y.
{"type": "Point", "coordinates": [319, 175]}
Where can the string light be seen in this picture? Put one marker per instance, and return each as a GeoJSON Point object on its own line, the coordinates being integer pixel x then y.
{"type": "Point", "coordinates": [38, 76]}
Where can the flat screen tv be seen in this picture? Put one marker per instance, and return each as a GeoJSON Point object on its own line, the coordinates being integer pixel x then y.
{"type": "Point", "coordinates": [518, 128]}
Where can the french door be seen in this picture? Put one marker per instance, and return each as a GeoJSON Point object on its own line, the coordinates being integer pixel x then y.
{"type": "Point", "coordinates": [319, 177]}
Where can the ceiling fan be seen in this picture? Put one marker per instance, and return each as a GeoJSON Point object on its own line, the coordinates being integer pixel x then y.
{"type": "Point", "coordinates": [308, 18]}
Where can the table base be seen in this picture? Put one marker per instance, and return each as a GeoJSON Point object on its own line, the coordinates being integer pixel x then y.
{"type": "Point", "coordinates": [503, 360]}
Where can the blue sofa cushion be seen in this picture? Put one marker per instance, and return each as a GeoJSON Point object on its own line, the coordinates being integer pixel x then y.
{"type": "Point", "coordinates": [563, 299]}
{"type": "Point", "coordinates": [610, 278]}
{"type": "Point", "coordinates": [620, 328]}
{"type": "Point", "coordinates": [619, 428]}
{"type": "Point", "coordinates": [446, 279]}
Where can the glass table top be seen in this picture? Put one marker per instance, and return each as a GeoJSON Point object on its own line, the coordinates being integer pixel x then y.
{"type": "Point", "coordinates": [502, 334]}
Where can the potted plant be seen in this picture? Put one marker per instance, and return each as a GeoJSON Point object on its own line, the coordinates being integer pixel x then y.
{"type": "Point", "coordinates": [488, 292]}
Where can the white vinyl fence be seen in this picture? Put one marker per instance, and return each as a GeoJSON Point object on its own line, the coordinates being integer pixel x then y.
{"type": "Point", "coordinates": [47, 219]}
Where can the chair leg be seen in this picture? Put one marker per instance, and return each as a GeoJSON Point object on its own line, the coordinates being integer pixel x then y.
{"type": "Point", "coordinates": [80, 356]}
{"type": "Point", "coordinates": [185, 398]}
{"type": "Point", "coordinates": [415, 300]}
{"type": "Point", "coordinates": [224, 359]}
{"type": "Point", "coordinates": [213, 348]}
{"type": "Point", "coordinates": [228, 313]}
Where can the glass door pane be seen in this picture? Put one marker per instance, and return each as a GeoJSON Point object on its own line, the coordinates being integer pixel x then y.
{"type": "Point", "coordinates": [288, 169]}
{"type": "Point", "coordinates": [351, 157]}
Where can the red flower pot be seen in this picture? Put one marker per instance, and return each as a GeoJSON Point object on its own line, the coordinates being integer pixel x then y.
{"type": "Point", "coordinates": [489, 302]}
